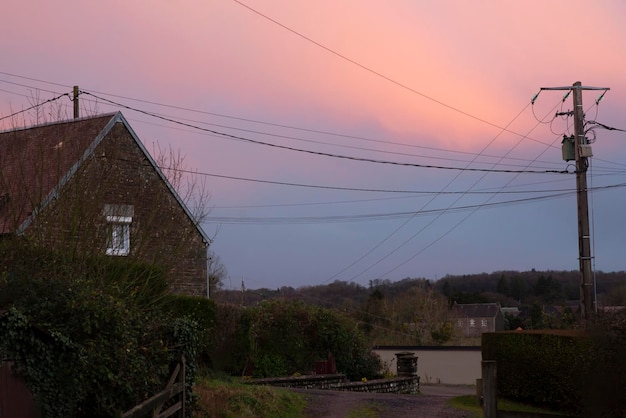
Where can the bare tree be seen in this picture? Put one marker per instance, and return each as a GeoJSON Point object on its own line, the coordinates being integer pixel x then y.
{"type": "Point", "coordinates": [194, 192]}
{"type": "Point", "coordinates": [47, 110]}
{"type": "Point", "coordinates": [216, 272]}
{"type": "Point", "coordinates": [190, 186]}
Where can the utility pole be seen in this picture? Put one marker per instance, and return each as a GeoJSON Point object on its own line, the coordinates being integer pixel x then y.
{"type": "Point", "coordinates": [584, 236]}
{"type": "Point", "coordinates": [582, 150]}
{"type": "Point", "coordinates": [75, 100]}
{"type": "Point", "coordinates": [243, 293]}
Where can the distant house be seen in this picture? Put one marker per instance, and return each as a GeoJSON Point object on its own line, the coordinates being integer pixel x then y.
{"type": "Point", "coordinates": [89, 185]}
{"type": "Point", "coordinates": [512, 311]}
{"type": "Point", "coordinates": [472, 319]}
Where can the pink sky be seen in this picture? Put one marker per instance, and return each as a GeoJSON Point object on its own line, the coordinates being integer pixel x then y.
{"type": "Point", "coordinates": [440, 62]}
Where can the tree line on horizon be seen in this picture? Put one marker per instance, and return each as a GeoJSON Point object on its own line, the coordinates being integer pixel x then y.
{"type": "Point", "coordinates": [416, 311]}
{"type": "Point", "coordinates": [510, 288]}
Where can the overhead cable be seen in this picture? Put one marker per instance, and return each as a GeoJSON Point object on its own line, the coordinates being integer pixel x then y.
{"type": "Point", "coordinates": [324, 154]}
{"type": "Point", "coordinates": [37, 105]}
{"type": "Point", "coordinates": [376, 73]}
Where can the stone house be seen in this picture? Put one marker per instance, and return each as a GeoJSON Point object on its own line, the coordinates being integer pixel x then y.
{"type": "Point", "coordinates": [472, 319]}
{"type": "Point", "coordinates": [89, 186]}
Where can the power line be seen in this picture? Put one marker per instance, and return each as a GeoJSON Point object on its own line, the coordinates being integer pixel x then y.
{"type": "Point", "coordinates": [285, 183]}
{"type": "Point", "coordinates": [36, 79]}
{"type": "Point", "coordinates": [461, 221]}
{"type": "Point", "coordinates": [376, 216]}
{"type": "Point", "coordinates": [37, 105]}
{"type": "Point", "coordinates": [341, 202]}
{"type": "Point", "coordinates": [354, 189]}
{"type": "Point", "coordinates": [603, 126]}
{"type": "Point", "coordinates": [376, 73]}
{"type": "Point", "coordinates": [319, 153]}
{"type": "Point", "coordinates": [433, 242]}
{"type": "Point", "coordinates": [391, 215]}
{"type": "Point", "coordinates": [362, 148]}
{"type": "Point", "coordinates": [281, 126]}
{"type": "Point", "coordinates": [256, 121]}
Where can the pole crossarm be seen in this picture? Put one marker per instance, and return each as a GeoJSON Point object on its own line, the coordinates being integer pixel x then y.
{"type": "Point", "coordinates": [575, 87]}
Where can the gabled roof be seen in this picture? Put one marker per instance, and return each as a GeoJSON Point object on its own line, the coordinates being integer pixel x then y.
{"type": "Point", "coordinates": [36, 162]}
{"type": "Point", "coordinates": [476, 310]}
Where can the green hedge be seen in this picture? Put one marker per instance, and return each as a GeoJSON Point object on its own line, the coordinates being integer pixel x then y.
{"type": "Point", "coordinates": [570, 371]}
{"type": "Point", "coordinates": [542, 368]}
{"type": "Point", "coordinates": [606, 385]}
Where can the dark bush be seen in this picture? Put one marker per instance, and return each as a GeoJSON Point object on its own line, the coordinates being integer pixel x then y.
{"type": "Point", "coordinates": [91, 336]}
{"type": "Point", "coordinates": [583, 372]}
{"type": "Point", "coordinates": [202, 312]}
{"type": "Point", "coordinates": [544, 368]}
{"type": "Point", "coordinates": [288, 337]}
{"type": "Point", "coordinates": [228, 340]}
{"type": "Point", "coordinates": [605, 387]}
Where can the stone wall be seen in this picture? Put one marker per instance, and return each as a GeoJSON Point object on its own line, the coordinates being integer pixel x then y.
{"type": "Point", "coordinates": [409, 384]}
{"type": "Point", "coordinates": [406, 381]}
{"type": "Point", "coordinates": [314, 381]}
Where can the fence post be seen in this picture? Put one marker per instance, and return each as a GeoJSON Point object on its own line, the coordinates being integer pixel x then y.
{"type": "Point", "coordinates": [183, 379]}
{"type": "Point", "coordinates": [490, 387]}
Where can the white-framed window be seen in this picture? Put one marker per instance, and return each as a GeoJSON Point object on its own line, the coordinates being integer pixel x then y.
{"type": "Point", "coordinates": [459, 323]}
{"type": "Point", "coordinates": [119, 236]}
{"type": "Point", "coordinates": [483, 323]}
{"type": "Point", "coordinates": [118, 218]}
{"type": "Point", "coordinates": [472, 323]}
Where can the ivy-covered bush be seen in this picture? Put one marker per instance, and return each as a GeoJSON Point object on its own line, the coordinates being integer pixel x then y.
{"type": "Point", "coordinates": [202, 312]}
{"type": "Point", "coordinates": [36, 354]}
{"type": "Point", "coordinates": [90, 336]}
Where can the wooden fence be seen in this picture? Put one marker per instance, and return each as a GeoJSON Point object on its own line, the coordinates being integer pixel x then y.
{"type": "Point", "coordinates": [16, 400]}
{"type": "Point", "coordinates": [155, 404]}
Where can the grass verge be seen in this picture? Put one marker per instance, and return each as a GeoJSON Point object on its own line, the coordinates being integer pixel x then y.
{"type": "Point", "coordinates": [366, 411]}
{"type": "Point", "coordinates": [470, 404]}
{"type": "Point", "coordinates": [226, 399]}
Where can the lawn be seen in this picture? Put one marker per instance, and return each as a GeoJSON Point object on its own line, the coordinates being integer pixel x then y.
{"type": "Point", "coordinates": [470, 404]}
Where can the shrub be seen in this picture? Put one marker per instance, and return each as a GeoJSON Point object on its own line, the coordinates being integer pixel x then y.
{"type": "Point", "coordinates": [202, 312]}
{"type": "Point", "coordinates": [583, 372]}
{"type": "Point", "coordinates": [89, 335]}
{"type": "Point", "coordinates": [288, 337]}
{"type": "Point", "coordinates": [544, 368]}
{"type": "Point", "coordinates": [606, 383]}
{"type": "Point", "coordinates": [229, 342]}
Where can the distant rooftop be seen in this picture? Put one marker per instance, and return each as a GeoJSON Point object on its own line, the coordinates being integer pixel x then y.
{"type": "Point", "coordinates": [476, 310]}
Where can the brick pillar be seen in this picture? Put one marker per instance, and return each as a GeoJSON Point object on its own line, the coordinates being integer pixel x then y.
{"type": "Point", "coordinates": [406, 366]}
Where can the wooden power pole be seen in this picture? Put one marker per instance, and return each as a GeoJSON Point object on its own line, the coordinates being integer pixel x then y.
{"type": "Point", "coordinates": [75, 100]}
{"type": "Point", "coordinates": [587, 297]}
{"type": "Point", "coordinates": [582, 151]}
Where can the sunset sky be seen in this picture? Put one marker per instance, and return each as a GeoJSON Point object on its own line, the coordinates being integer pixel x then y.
{"type": "Point", "coordinates": [353, 140]}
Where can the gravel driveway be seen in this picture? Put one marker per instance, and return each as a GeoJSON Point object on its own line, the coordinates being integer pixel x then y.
{"type": "Point", "coordinates": [432, 402]}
